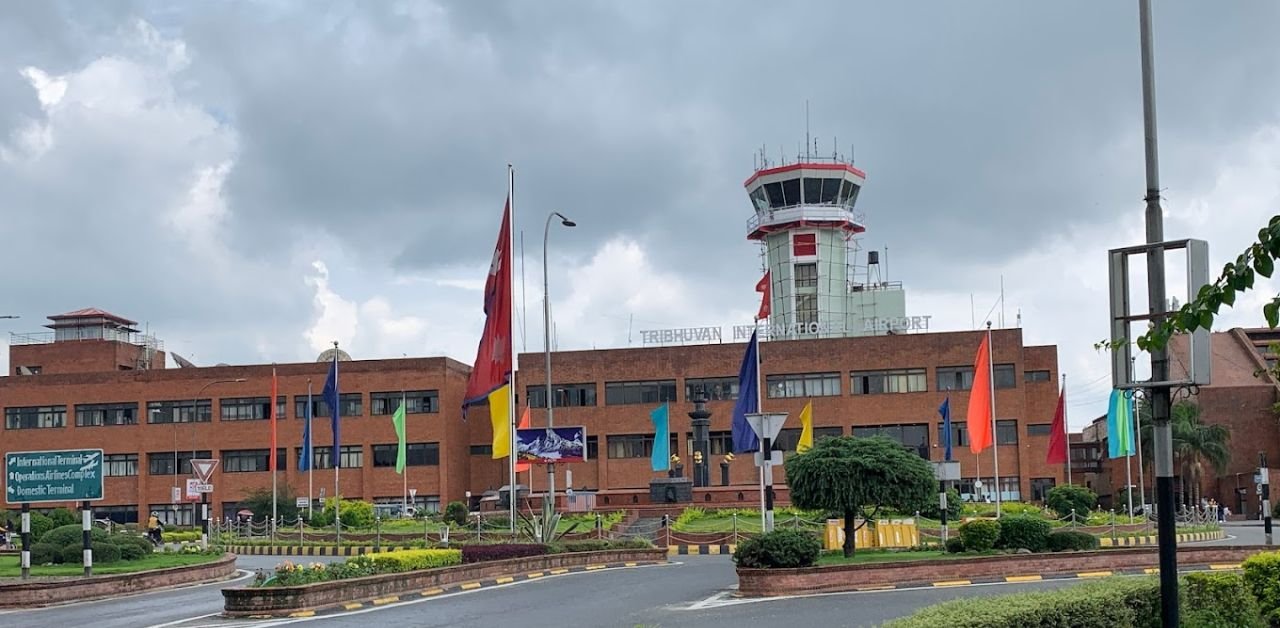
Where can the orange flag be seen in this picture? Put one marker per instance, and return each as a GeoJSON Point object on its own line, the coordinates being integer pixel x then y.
{"type": "Point", "coordinates": [979, 418]}
{"type": "Point", "coordinates": [523, 424]}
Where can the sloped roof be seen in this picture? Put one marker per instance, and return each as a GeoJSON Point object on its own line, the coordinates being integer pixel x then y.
{"type": "Point", "coordinates": [92, 312]}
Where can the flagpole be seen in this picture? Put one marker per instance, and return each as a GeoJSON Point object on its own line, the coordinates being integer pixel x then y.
{"type": "Point", "coordinates": [336, 456]}
{"type": "Point", "coordinates": [995, 442]}
{"type": "Point", "coordinates": [765, 456]}
{"type": "Point", "coordinates": [404, 473]}
{"type": "Point", "coordinates": [275, 463]}
{"type": "Point", "coordinates": [512, 493]}
{"type": "Point", "coordinates": [311, 464]}
{"type": "Point", "coordinates": [1066, 433]}
{"type": "Point", "coordinates": [1142, 483]}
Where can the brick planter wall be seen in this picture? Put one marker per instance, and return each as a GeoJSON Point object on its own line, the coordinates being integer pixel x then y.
{"type": "Point", "coordinates": [770, 582]}
{"type": "Point", "coordinates": [243, 601]}
{"type": "Point", "coordinates": [55, 591]}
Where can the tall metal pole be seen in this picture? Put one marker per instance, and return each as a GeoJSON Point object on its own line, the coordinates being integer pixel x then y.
{"type": "Point", "coordinates": [512, 493]}
{"type": "Point", "coordinates": [995, 440]}
{"type": "Point", "coordinates": [1160, 394]}
{"type": "Point", "coordinates": [1266, 494]}
{"type": "Point", "coordinates": [549, 504]}
{"type": "Point", "coordinates": [1066, 433]}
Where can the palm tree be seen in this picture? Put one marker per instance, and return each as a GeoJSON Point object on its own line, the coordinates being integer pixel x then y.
{"type": "Point", "coordinates": [1195, 443]}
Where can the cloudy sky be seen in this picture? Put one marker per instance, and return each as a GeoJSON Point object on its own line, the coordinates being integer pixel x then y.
{"type": "Point", "coordinates": [253, 180]}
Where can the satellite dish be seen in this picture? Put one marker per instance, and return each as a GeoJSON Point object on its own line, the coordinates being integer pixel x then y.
{"type": "Point", "coordinates": [222, 364]}
{"type": "Point", "coordinates": [327, 355]}
{"type": "Point", "coordinates": [182, 362]}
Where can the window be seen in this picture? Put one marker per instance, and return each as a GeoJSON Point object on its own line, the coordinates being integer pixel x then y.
{"type": "Point", "coordinates": [1010, 490]}
{"type": "Point", "coordinates": [789, 437]}
{"type": "Point", "coordinates": [1040, 488]}
{"type": "Point", "coordinates": [349, 404]}
{"type": "Point", "coordinates": [955, 377]}
{"type": "Point", "coordinates": [1006, 431]}
{"type": "Point", "coordinates": [593, 448]}
{"type": "Point", "coordinates": [252, 460]}
{"type": "Point", "coordinates": [618, 393]}
{"type": "Point", "coordinates": [959, 434]}
{"type": "Point", "coordinates": [913, 436]}
{"type": "Point", "coordinates": [27, 370]}
{"type": "Point", "coordinates": [415, 402]}
{"type": "Point", "coordinates": [352, 456]}
{"type": "Point", "coordinates": [35, 417]}
{"type": "Point", "coordinates": [119, 465]}
{"type": "Point", "coordinates": [898, 381]}
{"type": "Point", "coordinates": [566, 395]}
{"type": "Point", "coordinates": [122, 514]}
{"type": "Point", "coordinates": [719, 443]}
{"type": "Point", "coordinates": [803, 385]}
{"type": "Point", "coordinates": [1035, 376]}
{"type": "Point", "coordinates": [249, 408]}
{"type": "Point", "coordinates": [635, 445]}
{"type": "Point", "coordinates": [94, 414]}
{"type": "Point", "coordinates": [175, 514]}
{"type": "Point", "coordinates": [1039, 429]}
{"type": "Point", "coordinates": [161, 463]}
{"type": "Point", "coordinates": [1006, 376]}
{"type": "Point", "coordinates": [482, 450]}
{"type": "Point", "coordinates": [806, 275]}
{"type": "Point", "coordinates": [806, 309]}
{"type": "Point", "coordinates": [180, 411]}
{"type": "Point", "coordinates": [805, 245]}
{"type": "Point", "coordinates": [415, 455]}
{"type": "Point", "coordinates": [715, 388]}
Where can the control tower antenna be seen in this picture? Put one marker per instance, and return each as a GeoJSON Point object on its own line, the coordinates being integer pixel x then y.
{"type": "Point", "coordinates": [806, 130]}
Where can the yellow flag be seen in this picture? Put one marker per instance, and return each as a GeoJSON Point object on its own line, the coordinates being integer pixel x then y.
{"type": "Point", "coordinates": [500, 417]}
{"type": "Point", "coordinates": [806, 429]}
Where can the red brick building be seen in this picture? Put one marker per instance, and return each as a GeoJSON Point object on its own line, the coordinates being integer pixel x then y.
{"type": "Point", "coordinates": [95, 382]}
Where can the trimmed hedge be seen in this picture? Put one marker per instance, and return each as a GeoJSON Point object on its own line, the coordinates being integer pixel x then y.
{"type": "Point", "coordinates": [104, 552]}
{"type": "Point", "coordinates": [1262, 577]}
{"type": "Point", "coordinates": [1106, 604]}
{"type": "Point", "coordinates": [180, 537]}
{"type": "Point", "coordinates": [596, 545]}
{"type": "Point", "coordinates": [955, 545]}
{"type": "Point", "coordinates": [73, 554]}
{"type": "Point", "coordinates": [1024, 532]}
{"type": "Point", "coordinates": [68, 534]}
{"type": "Point", "coordinates": [124, 540]}
{"type": "Point", "coordinates": [980, 535]}
{"type": "Point", "coordinates": [1219, 599]}
{"type": "Point", "coordinates": [501, 551]}
{"type": "Point", "coordinates": [1071, 540]}
{"type": "Point", "coordinates": [413, 560]}
{"type": "Point", "coordinates": [45, 554]}
{"type": "Point", "coordinates": [780, 549]}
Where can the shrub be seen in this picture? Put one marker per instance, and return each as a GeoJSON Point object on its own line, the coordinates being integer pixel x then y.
{"type": "Point", "coordinates": [130, 551]}
{"type": "Point", "coordinates": [45, 554]}
{"type": "Point", "coordinates": [1262, 576]}
{"type": "Point", "coordinates": [355, 514]}
{"type": "Point", "coordinates": [144, 546]}
{"type": "Point", "coordinates": [72, 534]}
{"type": "Point", "coordinates": [180, 537]}
{"type": "Point", "coordinates": [1024, 532]}
{"type": "Point", "coordinates": [40, 525]}
{"type": "Point", "coordinates": [1106, 604]}
{"type": "Point", "coordinates": [1062, 499]}
{"type": "Point", "coordinates": [63, 517]}
{"type": "Point", "coordinates": [780, 549]}
{"type": "Point", "coordinates": [1221, 599]}
{"type": "Point", "coordinates": [72, 554]}
{"type": "Point", "coordinates": [596, 545]}
{"type": "Point", "coordinates": [456, 513]}
{"type": "Point", "coordinates": [413, 560]}
{"type": "Point", "coordinates": [1064, 540]}
{"type": "Point", "coordinates": [954, 504]}
{"type": "Point", "coordinates": [955, 545]}
{"type": "Point", "coordinates": [980, 535]}
{"type": "Point", "coordinates": [105, 552]}
{"type": "Point", "coordinates": [502, 551]}
{"type": "Point", "coordinates": [688, 516]}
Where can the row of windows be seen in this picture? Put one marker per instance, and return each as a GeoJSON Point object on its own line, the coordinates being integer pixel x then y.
{"type": "Point", "coordinates": [256, 460]}
{"type": "Point", "coordinates": [230, 409]}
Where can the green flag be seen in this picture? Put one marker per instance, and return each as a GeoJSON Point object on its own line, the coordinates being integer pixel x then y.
{"type": "Point", "coordinates": [397, 419]}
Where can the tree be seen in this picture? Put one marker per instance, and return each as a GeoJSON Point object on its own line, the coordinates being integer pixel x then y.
{"type": "Point", "coordinates": [1195, 443]}
{"type": "Point", "coordinates": [259, 502]}
{"type": "Point", "coordinates": [1069, 497]}
{"type": "Point", "coordinates": [1236, 278]}
{"type": "Point", "coordinates": [857, 477]}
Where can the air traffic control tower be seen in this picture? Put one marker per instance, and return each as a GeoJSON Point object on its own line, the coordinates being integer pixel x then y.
{"type": "Point", "coordinates": [823, 285]}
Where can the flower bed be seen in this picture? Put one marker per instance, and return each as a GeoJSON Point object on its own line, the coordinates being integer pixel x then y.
{"type": "Point", "coordinates": [290, 574]}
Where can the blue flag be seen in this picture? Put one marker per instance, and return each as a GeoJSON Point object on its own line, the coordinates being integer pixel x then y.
{"type": "Point", "coordinates": [330, 396]}
{"type": "Point", "coordinates": [744, 438]}
{"type": "Point", "coordinates": [661, 457]}
{"type": "Point", "coordinates": [305, 457]}
{"type": "Point", "coordinates": [945, 411]}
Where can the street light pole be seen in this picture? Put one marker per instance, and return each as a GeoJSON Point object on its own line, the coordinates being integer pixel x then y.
{"type": "Point", "coordinates": [195, 413]}
{"type": "Point", "coordinates": [549, 504]}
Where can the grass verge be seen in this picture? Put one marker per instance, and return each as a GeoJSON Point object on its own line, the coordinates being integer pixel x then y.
{"type": "Point", "coordinates": [10, 567]}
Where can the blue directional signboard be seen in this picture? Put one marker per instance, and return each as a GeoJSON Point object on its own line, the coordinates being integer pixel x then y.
{"type": "Point", "coordinates": [53, 476]}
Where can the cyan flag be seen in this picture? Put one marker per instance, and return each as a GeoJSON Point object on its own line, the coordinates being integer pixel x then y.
{"type": "Point", "coordinates": [1119, 426]}
{"type": "Point", "coordinates": [330, 396]}
{"type": "Point", "coordinates": [305, 457]}
{"type": "Point", "coordinates": [744, 438]}
{"type": "Point", "coordinates": [661, 458]}
{"type": "Point", "coordinates": [945, 411]}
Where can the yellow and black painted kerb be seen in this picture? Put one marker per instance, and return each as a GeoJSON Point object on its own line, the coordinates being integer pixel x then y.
{"type": "Point", "coordinates": [462, 586]}
{"type": "Point", "coordinates": [703, 550]}
{"type": "Point", "coordinates": [1151, 539]}
{"type": "Point", "coordinates": [309, 550]}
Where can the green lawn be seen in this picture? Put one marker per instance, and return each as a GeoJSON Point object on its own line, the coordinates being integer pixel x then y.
{"type": "Point", "coordinates": [11, 567]}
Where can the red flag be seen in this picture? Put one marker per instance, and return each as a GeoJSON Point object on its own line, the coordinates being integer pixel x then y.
{"type": "Point", "coordinates": [523, 424]}
{"type": "Point", "coordinates": [272, 401]}
{"type": "Point", "coordinates": [492, 368]}
{"type": "Point", "coordinates": [1058, 434]}
{"type": "Point", "coordinates": [763, 286]}
{"type": "Point", "coordinates": [979, 418]}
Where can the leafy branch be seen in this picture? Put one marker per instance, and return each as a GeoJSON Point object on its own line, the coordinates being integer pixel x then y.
{"type": "Point", "coordinates": [1237, 277]}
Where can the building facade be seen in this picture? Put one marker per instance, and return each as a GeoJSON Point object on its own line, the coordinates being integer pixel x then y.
{"type": "Point", "coordinates": [82, 390]}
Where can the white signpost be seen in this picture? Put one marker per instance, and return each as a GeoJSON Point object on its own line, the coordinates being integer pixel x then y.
{"type": "Point", "coordinates": [766, 426]}
{"type": "Point", "coordinates": [203, 468]}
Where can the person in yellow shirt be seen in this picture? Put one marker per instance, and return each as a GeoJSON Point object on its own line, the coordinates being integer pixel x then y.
{"type": "Point", "coordinates": [153, 529]}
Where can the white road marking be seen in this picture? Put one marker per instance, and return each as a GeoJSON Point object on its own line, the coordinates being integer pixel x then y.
{"type": "Point", "coordinates": [245, 574]}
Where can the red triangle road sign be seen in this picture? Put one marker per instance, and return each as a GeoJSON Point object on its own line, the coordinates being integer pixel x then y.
{"type": "Point", "coordinates": [204, 468]}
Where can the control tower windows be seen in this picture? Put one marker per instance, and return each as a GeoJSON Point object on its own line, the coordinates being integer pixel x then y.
{"type": "Point", "coordinates": [812, 190]}
{"type": "Point", "coordinates": [806, 275]}
{"type": "Point", "coordinates": [806, 309]}
{"type": "Point", "coordinates": [791, 192]}
{"type": "Point", "coordinates": [759, 199]}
